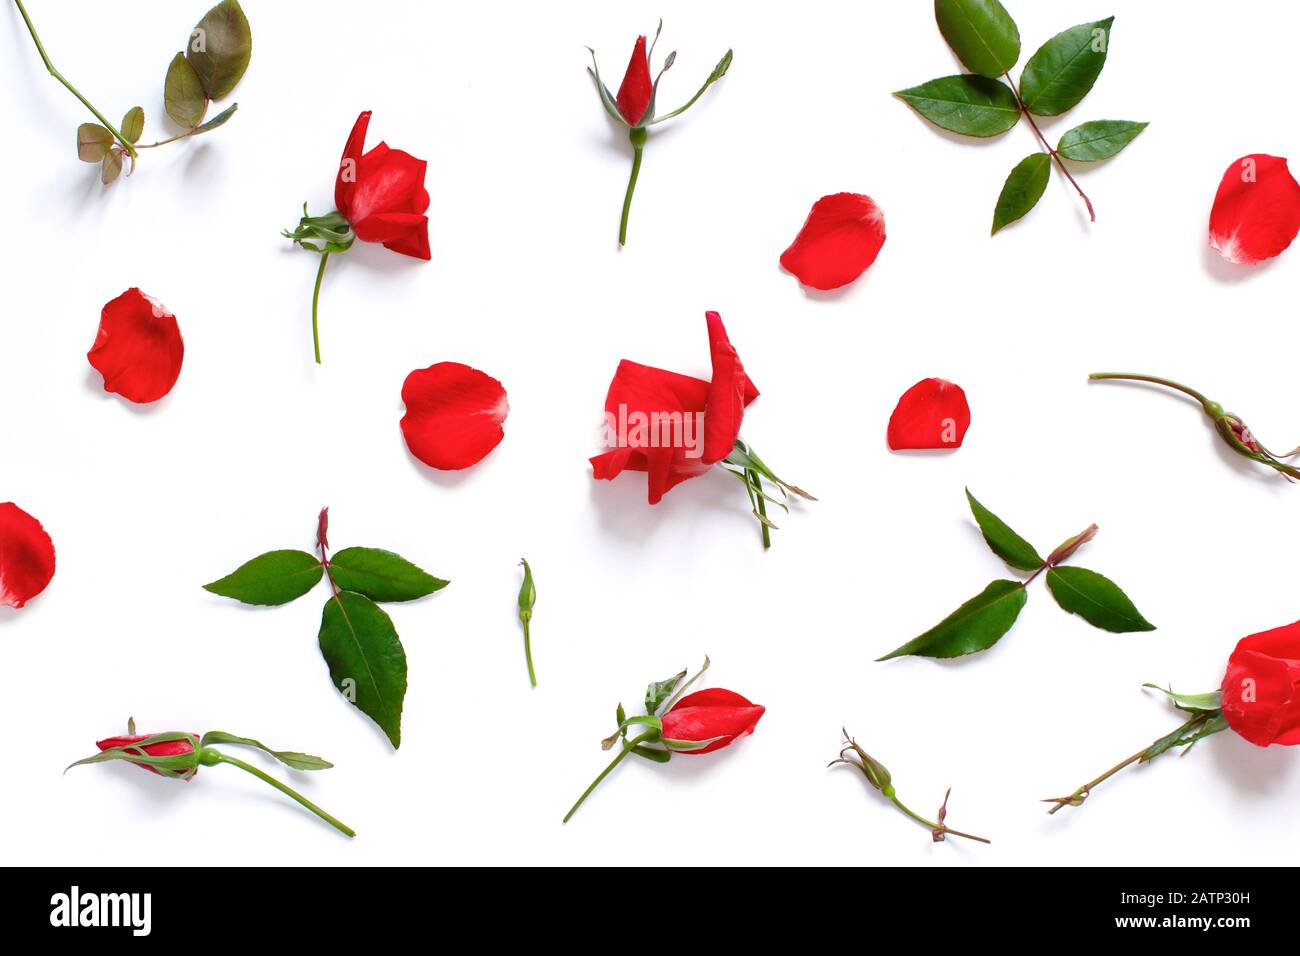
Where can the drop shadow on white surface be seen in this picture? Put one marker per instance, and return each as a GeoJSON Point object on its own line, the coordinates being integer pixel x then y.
{"type": "Point", "coordinates": [1221, 270]}
{"type": "Point", "coordinates": [622, 508]}
{"type": "Point", "coordinates": [1248, 769]}
{"type": "Point", "coordinates": [202, 162]}
{"type": "Point", "coordinates": [447, 479]}
{"type": "Point", "coordinates": [843, 293]}
{"type": "Point", "coordinates": [95, 383]}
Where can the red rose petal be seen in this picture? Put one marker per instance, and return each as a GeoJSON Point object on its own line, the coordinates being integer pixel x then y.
{"type": "Point", "coordinates": [139, 348]}
{"type": "Point", "coordinates": [453, 415]}
{"type": "Point", "coordinates": [381, 193]}
{"type": "Point", "coordinates": [26, 556]}
{"type": "Point", "coordinates": [729, 392]}
{"type": "Point", "coordinates": [634, 94]}
{"type": "Point", "coordinates": [840, 239]}
{"type": "Point", "coordinates": [931, 414]}
{"type": "Point", "coordinates": [1256, 211]}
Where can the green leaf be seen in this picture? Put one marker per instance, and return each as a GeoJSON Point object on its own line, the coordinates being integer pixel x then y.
{"type": "Point", "coordinates": [1100, 139]}
{"type": "Point", "coordinates": [1191, 702]}
{"type": "Point", "coordinates": [965, 103]}
{"type": "Point", "coordinates": [1022, 190]}
{"type": "Point", "coordinates": [1006, 544]}
{"type": "Point", "coordinates": [652, 753]}
{"type": "Point", "coordinates": [93, 142]}
{"type": "Point", "coordinates": [981, 33]}
{"type": "Point", "coordinates": [218, 120]}
{"type": "Point", "coordinates": [657, 692]}
{"type": "Point", "coordinates": [381, 575]}
{"type": "Point", "coordinates": [975, 626]}
{"type": "Point", "coordinates": [276, 577]}
{"type": "Point", "coordinates": [1096, 599]}
{"type": "Point", "coordinates": [112, 166]}
{"type": "Point", "coordinates": [133, 124]}
{"type": "Point", "coordinates": [220, 47]}
{"type": "Point", "coordinates": [290, 758]}
{"type": "Point", "coordinates": [718, 73]}
{"type": "Point", "coordinates": [1063, 70]}
{"type": "Point", "coordinates": [183, 94]}
{"type": "Point", "coordinates": [366, 660]}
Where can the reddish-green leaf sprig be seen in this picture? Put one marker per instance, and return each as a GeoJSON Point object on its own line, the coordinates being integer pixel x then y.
{"type": "Point", "coordinates": [983, 620]}
{"type": "Point", "coordinates": [852, 755]}
{"type": "Point", "coordinates": [1227, 426]}
{"type": "Point", "coordinates": [365, 656]}
{"type": "Point", "coordinates": [987, 41]}
{"type": "Point", "coordinates": [216, 56]}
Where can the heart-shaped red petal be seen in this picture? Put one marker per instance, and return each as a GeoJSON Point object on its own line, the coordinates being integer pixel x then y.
{"type": "Point", "coordinates": [138, 349]}
{"type": "Point", "coordinates": [26, 556]}
{"type": "Point", "coordinates": [931, 414]}
{"type": "Point", "coordinates": [840, 239]}
{"type": "Point", "coordinates": [453, 415]}
{"type": "Point", "coordinates": [1256, 211]}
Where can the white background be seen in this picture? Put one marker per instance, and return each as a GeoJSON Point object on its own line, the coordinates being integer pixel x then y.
{"type": "Point", "coordinates": [526, 174]}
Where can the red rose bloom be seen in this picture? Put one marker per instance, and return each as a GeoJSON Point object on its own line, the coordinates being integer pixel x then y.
{"type": "Point", "coordinates": [381, 194]}
{"type": "Point", "coordinates": [634, 94]}
{"type": "Point", "coordinates": [1260, 696]}
{"type": "Point", "coordinates": [709, 714]}
{"type": "Point", "coordinates": [1256, 211]}
{"type": "Point", "coordinates": [167, 748]}
{"type": "Point", "coordinates": [931, 414]}
{"type": "Point", "coordinates": [671, 426]}
{"type": "Point", "coordinates": [838, 242]}
{"type": "Point", "coordinates": [453, 415]}
{"type": "Point", "coordinates": [138, 349]}
{"type": "Point", "coordinates": [26, 556]}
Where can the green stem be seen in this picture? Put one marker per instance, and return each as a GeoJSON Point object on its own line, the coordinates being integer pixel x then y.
{"type": "Point", "coordinates": [1050, 151]}
{"type": "Point", "coordinates": [1083, 792]}
{"type": "Point", "coordinates": [627, 749]}
{"type": "Point", "coordinates": [930, 825]}
{"type": "Point", "coordinates": [40, 48]}
{"type": "Point", "coordinates": [528, 653]}
{"type": "Point", "coordinates": [315, 299]}
{"type": "Point", "coordinates": [1154, 380]}
{"type": "Point", "coordinates": [289, 792]}
{"type": "Point", "coordinates": [638, 137]}
{"type": "Point", "coordinates": [170, 139]}
{"type": "Point", "coordinates": [762, 508]}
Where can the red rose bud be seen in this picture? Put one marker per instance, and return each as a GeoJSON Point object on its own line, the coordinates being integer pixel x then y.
{"type": "Point", "coordinates": [699, 723]}
{"type": "Point", "coordinates": [380, 197]}
{"type": "Point", "coordinates": [26, 556]}
{"type": "Point", "coordinates": [634, 107]}
{"type": "Point", "coordinates": [178, 756]}
{"type": "Point", "coordinates": [637, 87]}
{"type": "Point", "coordinates": [674, 427]}
{"type": "Point", "coordinates": [709, 720]}
{"type": "Point", "coordinates": [1260, 695]}
{"type": "Point", "coordinates": [1229, 427]}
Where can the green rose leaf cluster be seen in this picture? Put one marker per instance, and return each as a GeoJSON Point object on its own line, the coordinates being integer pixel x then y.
{"type": "Point", "coordinates": [983, 620]}
{"type": "Point", "coordinates": [362, 650]}
{"type": "Point", "coordinates": [987, 102]}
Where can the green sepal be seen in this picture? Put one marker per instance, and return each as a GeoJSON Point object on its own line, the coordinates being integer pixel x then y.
{"type": "Point", "coordinates": [652, 753]}
{"type": "Point", "coordinates": [1006, 544]}
{"type": "Point", "coordinates": [1181, 738]}
{"type": "Point", "coordinates": [1192, 702]}
{"type": "Point", "coordinates": [657, 692]}
{"type": "Point", "coordinates": [718, 73]}
{"type": "Point", "coordinates": [686, 746]}
{"type": "Point", "coordinates": [290, 758]}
